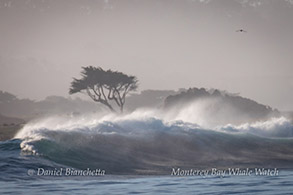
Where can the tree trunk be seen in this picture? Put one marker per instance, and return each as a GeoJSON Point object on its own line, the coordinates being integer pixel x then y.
{"type": "Point", "coordinates": [121, 108]}
{"type": "Point", "coordinates": [110, 107]}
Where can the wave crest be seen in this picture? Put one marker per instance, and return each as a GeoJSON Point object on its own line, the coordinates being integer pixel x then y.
{"type": "Point", "coordinates": [141, 143]}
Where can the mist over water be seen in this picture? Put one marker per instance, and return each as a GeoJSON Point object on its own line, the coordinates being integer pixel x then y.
{"type": "Point", "coordinates": [241, 46]}
{"type": "Point", "coordinates": [152, 141]}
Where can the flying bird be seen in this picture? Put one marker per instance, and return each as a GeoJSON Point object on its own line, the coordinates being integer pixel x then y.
{"type": "Point", "coordinates": [241, 30]}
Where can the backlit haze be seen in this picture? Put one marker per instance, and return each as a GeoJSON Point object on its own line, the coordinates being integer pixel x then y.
{"type": "Point", "coordinates": [166, 44]}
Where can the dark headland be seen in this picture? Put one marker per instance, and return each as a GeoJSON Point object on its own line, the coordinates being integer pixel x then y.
{"type": "Point", "coordinates": [15, 112]}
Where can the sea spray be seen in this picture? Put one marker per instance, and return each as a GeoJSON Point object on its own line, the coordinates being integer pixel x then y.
{"type": "Point", "coordinates": [143, 143]}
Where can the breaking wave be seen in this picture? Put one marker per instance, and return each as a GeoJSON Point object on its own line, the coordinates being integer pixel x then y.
{"type": "Point", "coordinates": [144, 142]}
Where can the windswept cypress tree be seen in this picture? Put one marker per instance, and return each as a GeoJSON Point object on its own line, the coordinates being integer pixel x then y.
{"type": "Point", "coordinates": [104, 86]}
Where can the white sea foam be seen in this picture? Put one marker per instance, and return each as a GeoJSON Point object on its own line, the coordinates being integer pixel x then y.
{"type": "Point", "coordinates": [147, 119]}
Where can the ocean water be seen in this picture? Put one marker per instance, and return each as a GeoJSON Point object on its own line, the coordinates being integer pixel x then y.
{"type": "Point", "coordinates": [146, 154]}
{"type": "Point", "coordinates": [281, 184]}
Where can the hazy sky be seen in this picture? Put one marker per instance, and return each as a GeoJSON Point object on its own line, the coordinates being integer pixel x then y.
{"type": "Point", "coordinates": [167, 44]}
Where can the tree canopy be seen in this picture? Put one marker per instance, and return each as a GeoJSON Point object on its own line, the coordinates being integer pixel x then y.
{"type": "Point", "coordinates": [104, 86]}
